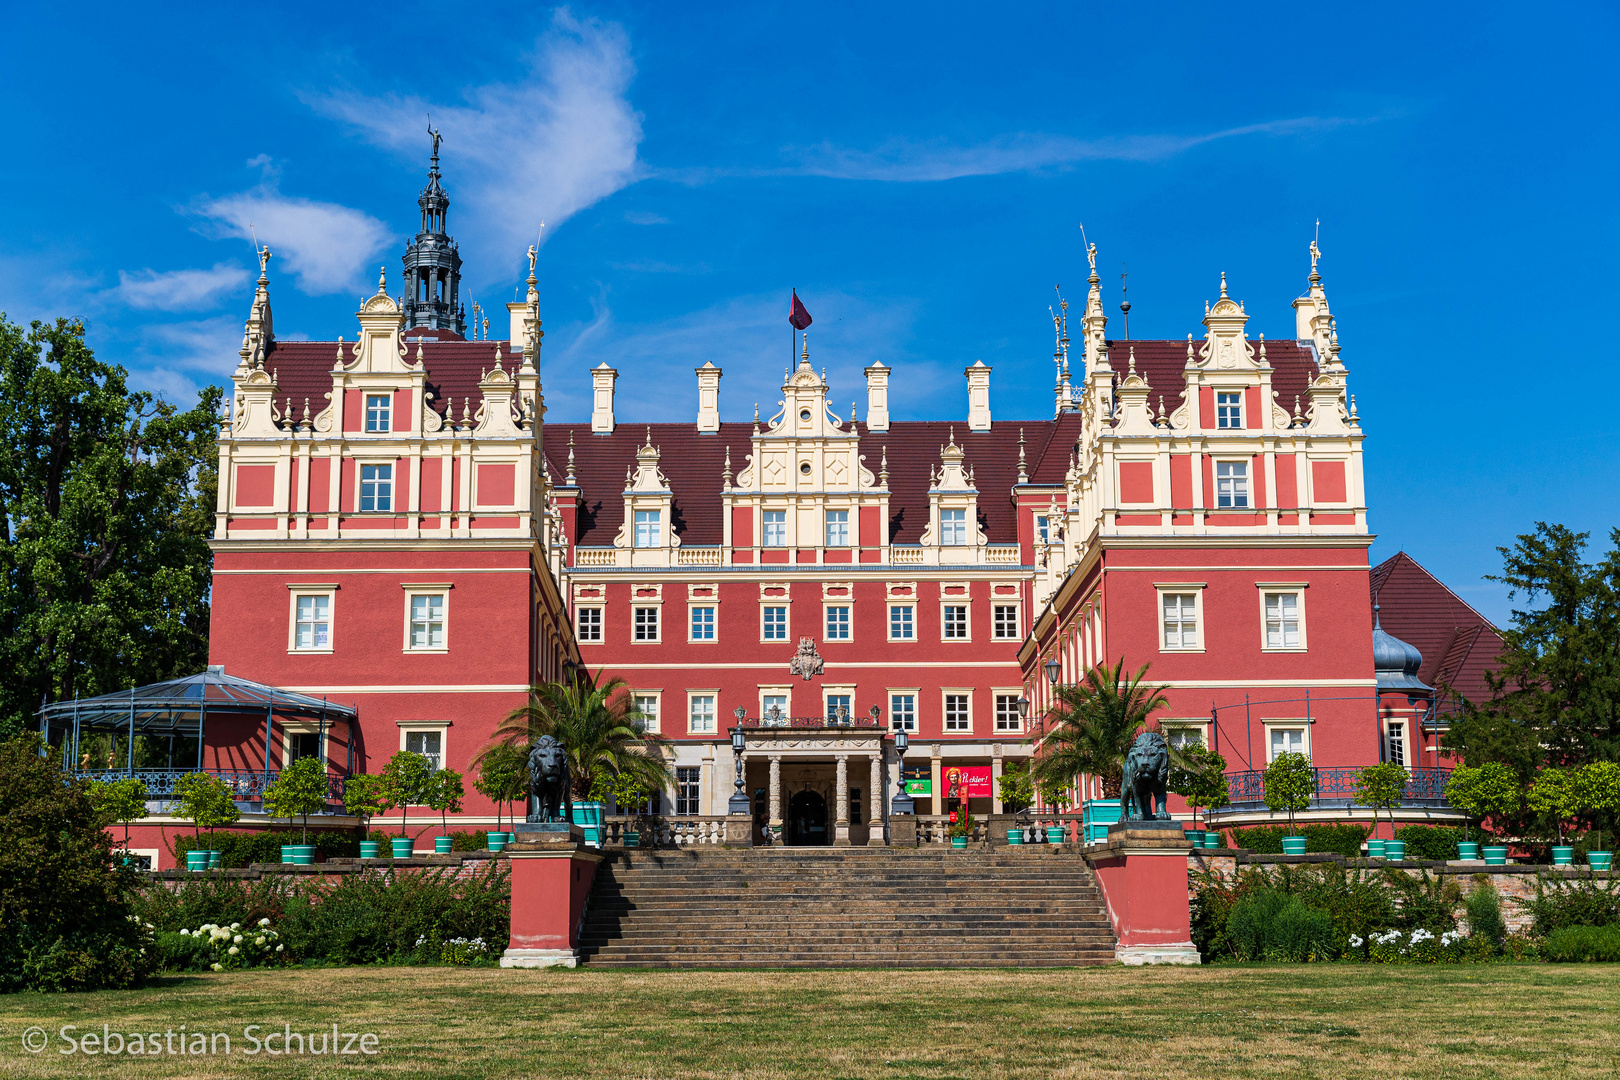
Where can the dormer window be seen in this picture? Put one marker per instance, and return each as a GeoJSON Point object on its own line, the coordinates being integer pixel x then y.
{"type": "Point", "coordinates": [953, 528]}
{"type": "Point", "coordinates": [647, 528]}
{"type": "Point", "coordinates": [1228, 410]}
{"type": "Point", "coordinates": [378, 410]}
{"type": "Point", "coordinates": [376, 488]}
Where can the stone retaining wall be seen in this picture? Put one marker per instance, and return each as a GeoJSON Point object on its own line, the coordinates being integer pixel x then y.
{"type": "Point", "coordinates": [465, 864]}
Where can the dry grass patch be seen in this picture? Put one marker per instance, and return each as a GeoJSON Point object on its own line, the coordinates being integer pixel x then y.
{"type": "Point", "coordinates": [1343, 1022]}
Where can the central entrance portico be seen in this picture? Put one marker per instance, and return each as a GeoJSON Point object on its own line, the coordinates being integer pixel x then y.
{"type": "Point", "coordinates": [824, 780]}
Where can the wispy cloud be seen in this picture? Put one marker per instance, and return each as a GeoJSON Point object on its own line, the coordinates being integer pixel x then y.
{"type": "Point", "coordinates": [179, 290]}
{"type": "Point", "coordinates": [176, 358]}
{"type": "Point", "coordinates": [538, 150]}
{"type": "Point", "coordinates": [326, 247]}
{"type": "Point", "coordinates": [643, 217]}
{"type": "Point", "coordinates": [911, 161]}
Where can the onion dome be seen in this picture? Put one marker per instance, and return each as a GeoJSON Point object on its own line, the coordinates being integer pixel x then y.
{"type": "Point", "coordinates": [1395, 663]}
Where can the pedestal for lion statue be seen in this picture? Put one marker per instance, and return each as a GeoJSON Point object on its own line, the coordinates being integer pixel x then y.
{"type": "Point", "coordinates": [1142, 867]}
{"type": "Point", "coordinates": [552, 869]}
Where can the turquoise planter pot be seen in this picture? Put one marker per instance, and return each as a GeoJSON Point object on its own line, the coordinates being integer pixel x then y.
{"type": "Point", "coordinates": [631, 838]}
{"type": "Point", "coordinates": [588, 815]}
{"type": "Point", "coordinates": [1563, 856]}
{"type": "Point", "coordinates": [1293, 845]}
{"type": "Point", "coordinates": [496, 842]}
{"type": "Point", "coordinates": [197, 860]}
{"type": "Point", "coordinates": [1395, 849]}
{"type": "Point", "coordinates": [369, 849]}
{"type": "Point", "coordinates": [1468, 850]}
{"type": "Point", "coordinates": [959, 842]}
{"type": "Point", "coordinates": [1015, 836]}
{"type": "Point", "coordinates": [442, 845]}
{"type": "Point", "coordinates": [303, 854]}
{"type": "Point", "coordinates": [1196, 836]}
{"type": "Point", "coordinates": [287, 852]}
{"type": "Point", "coordinates": [1097, 815]}
{"type": "Point", "coordinates": [1375, 849]}
{"type": "Point", "coordinates": [1054, 834]}
{"type": "Point", "coordinates": [1599, 860]}
{"type": "Point", "coordinates": [213, 860]}
{"type": "Point", "coordinates": [401, 847]}
{"type": "Point", "coordinates": [1495, 854]}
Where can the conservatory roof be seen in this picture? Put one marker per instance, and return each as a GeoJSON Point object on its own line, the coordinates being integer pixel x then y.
{"type": "Point", "coordinates": [162, 704]}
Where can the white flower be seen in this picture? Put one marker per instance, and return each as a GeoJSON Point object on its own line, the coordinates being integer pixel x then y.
{"type": "Point", "coordinates": [233, 950]}
{"type": "Point", "coordinates": [264, 922]}
{"type": "Point", "coordinates": [259, 940]}
{"type": "Point", "coordinates": [1355, 941]}
{"type": "Point", "coordinates": [237, 940]}
{"type": "Point", "coordinates": [184, 932]}
{"type": "Point", "coordinates": [217, 967]}
{"type": "Point", "coordinates": [280, 947]}
{"type": "Point", "coordinates": [236, 926]}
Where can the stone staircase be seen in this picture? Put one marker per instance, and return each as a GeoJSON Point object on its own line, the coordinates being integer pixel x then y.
{"type": "Point", "coordinates": [846, 907]}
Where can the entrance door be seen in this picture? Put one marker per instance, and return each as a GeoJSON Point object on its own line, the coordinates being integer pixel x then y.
{"type": "Point", "coordinates": [807, 819]}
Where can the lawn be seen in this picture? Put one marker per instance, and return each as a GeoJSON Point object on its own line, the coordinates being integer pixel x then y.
{"type": "Point", "coordinates": [1332, 1021]}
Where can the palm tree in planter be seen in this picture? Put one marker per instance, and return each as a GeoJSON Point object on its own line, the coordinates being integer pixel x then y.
{"type": "Point", "coordinates": [601, 731]}
{"type": "Point", "coordinates": [1290, 782]}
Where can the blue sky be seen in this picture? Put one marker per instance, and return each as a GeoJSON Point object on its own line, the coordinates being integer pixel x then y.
{"type": "Point", "coordinates": [918, 173]}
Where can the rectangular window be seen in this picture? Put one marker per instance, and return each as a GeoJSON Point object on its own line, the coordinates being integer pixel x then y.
{"type": "Point", "coordinates": [1231, 485]}
{"type": "Point", "coordinates": [1180, 738]}
{"type": "Point", "coordinates": [1395, 741]}
{"type": "Point", "coordinates": [953, 528]}
{"type": "Point", "coordinates": [955, 620]}
{"type": "Point", "coordinates": [773, 625]}
{"type": "Point", "coordinates": [903, 712]}
{"type": "Point", "coordinates": [838, 528]}
{"type": "Point", "coordinates": [776, 528]}
{"type": "Point", "coordinates": [838, 624]}
{"type": "Point", "coordinates": [1287, 741]}
{"type": "Point", "coordinates": [1040, 527]}
{"type": "Point", "coordinates": [1006, 621]}
{"type": "Point", "coordinates": [647, 706]}
{"type": "Point", "coordinates": [647, 530]}
{"type": "Point", "coordinates": [688, 790]}
{"type": "Point", "coordinates": [590, 623]}
{"type": "Point", "coordinates": [1229, 410]}
{"type": "Point", "coordinates": [430, 744]}
{"type": "Point", "coordinates": [956, 713]}
{"type": "Point", "coordinates": [900, 623]}
{"type": "Point", "coordinates": [378, 407]}
{"type": "Point", "coordinates": [702, 714]}
{"type": "Point", "coordinates": [303, 744]}
{"type": "Point", "coordinates": [427, 621]}
{"type": "Point", "coordinates": [646, 624]}
{"type": "Point", "coordinates": [779, 702]}
{"type": "Point", "coordinates": [376, 487]}
{"type": "Point", "coordinates": [313, 625]}
{"type": "Point", "coordinates": [836, 702]}
{"type": "Point", "coordinates": [1007, 718]}
{"type": "Point", "coordinates": [1282, 620]}
{"type": "Point", "coordinates": [1180, 620]}
{"type": "Point", "coordinates": [703, 624]}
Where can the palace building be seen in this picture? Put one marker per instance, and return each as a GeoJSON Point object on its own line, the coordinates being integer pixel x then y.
{"type": "Point", "coordinates": [402, 535]}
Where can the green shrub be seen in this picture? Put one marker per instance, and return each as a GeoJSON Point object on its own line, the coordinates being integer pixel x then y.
{"type": "Point", "coordinates": [1435, 843]}
{"type": "Point", "coordinates": [1564, 902]}
{"type": "Point", "coordinates": [215, 899]}
{"type": "Point", "coordinates": [183, 952]}
{"type": "Point", "coordinates": [241, 849]}
{"type": "Point", "coordinates": [1267, 924]}
{"type": "Point", "coordinates": [1248, 928]}
{"type": "Point", "coordinates": [1484, 910]}
{"type": "Point", "coordinates": [1582, 945]}
{"type": "Point", "coordinates": [1343, 840]}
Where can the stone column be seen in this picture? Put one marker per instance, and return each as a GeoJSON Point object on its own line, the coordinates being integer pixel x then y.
{"type": "Point", "coordinates": [877, 817]}
{"type": "Point", "coordinates": [776, 796]}
{"type": "Point", "coordinates": [937, 781]}
{"type": "Point", "coordinates": [841, 826]}
{"type": "Point", "coordinates": [995, 779]}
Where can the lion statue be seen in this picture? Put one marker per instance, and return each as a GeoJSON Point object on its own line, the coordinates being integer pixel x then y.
{"type": "Point", "coordinates": [550, 792]}
{"type": "Point", "coordinates": [1147, 768]}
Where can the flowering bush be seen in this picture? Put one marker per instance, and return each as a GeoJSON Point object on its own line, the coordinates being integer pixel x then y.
{"type": "Point", "coordinates": [236, 946]}
{"type": "Point", "coordinates": [1419, 947]}
{"type": "Point", "coordinates": [459, 950]}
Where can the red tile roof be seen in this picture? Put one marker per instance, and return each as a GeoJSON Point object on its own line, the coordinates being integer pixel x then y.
{"type": "Point", "coordinates": [1458, 643]}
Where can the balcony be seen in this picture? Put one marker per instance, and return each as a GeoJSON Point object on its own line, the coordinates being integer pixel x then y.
{"type": "Point", "coordinates": [1336, 789]}
{"type": "Point", "coordinates": [247, 785]}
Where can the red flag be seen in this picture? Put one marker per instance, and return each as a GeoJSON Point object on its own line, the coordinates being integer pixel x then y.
{"type": "Point", "coordinates": [799, 317]}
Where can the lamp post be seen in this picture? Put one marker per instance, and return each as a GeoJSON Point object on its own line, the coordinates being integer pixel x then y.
{"type": "Point", "coordinates": [901, 803]}
{"type": "Point", "coordinates": [738, 803]}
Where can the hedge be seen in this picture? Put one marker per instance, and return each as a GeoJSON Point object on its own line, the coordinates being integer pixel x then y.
{"type": "Point", "coordinates": [1344, 840]}
{"type": "Point", "coordinates": [1582, 945]}
{"type": "Point", "coordinates": [1436, 843]}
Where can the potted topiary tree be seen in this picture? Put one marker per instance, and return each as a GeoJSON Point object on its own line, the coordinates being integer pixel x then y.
{"type": "Point", "coordinates": [962, 824]}
{"type": "Point", "coordinates": [366, 795]}
{"type": "Point", "coordinates": [503, 778]}
{"type": "Point", "coordinates": [1201, 780]}
{"type": "Point", "coordinates": [1056, 798]}
{"type": "Point", "coordinates": [631, 797]}
{"type": "Point", "coordinates": [1597, 792]}
{"type": "Point", "coordinates": [1462, 793]}
{"type": "Point", "coordinates": [1290, 781]}
{"type": "Point", "coordinates": [121, 800]}
{"type": "Point", "coordinates": [444, 794]}
{"type": "Point", "coordinates": [1498, 796]}
{"type": "Point", "coordinates": [406, 778]}
{"type": "Point", "coordinates": [1016, 791]}
{"type": "Point", "coordinates": [207, 802]}
{"type": "Point", "coordinates": [1552, 797]}
{"type": "Point", "coordinates": [299, 791]}
{"type": "Point", "coordinates": [1382, 787]}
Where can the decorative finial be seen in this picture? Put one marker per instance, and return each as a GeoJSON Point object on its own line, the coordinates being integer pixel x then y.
{"type": "Point", "coordinates": [756, 418]}
{"type": "Point", "coordinates": [1023, 469]}
{"type": "Point", "coordinates": [382, 281]}
{"type": "Point", "coordinates": [883, 469]}
{"type": "Point", "coordinates": [649, 438]}
{"type": "Point", "coordinates": [1316, 253]}
{"type": "Point", "coordinates": [1223, 284]}
{"type": "Point", "coordinates": [1163, 420]}
{"type": "Point", "coordinates": [1132, 369]}
{"type": "Point", "coordinates": [726, 472]}
{"type": "Point", "coordinates": [466, 412]}
{"type": "Point", "coordinates": [1125, 300]}
{"type": "Point", "coordinates": [1262, 348]}
{"type": "Point", "coordinates": [340, 349]}
{"type": "Point", "coordinates": [570, 477]}
{"type": "Point", "coordinates": [804, 358]}
{"type": "Point", "coordinates": [1299, 421]}
{"type": "Point", "coordinates": [852, 415]}
{"type": "Point", "coordinates": [498, 360]}
{"type": "Point", "coordinates": [1354, 419]}
{"type": "Point", "coordinates": [1189, 349]}
{"type": "Point", "coordinates": [419, 353]}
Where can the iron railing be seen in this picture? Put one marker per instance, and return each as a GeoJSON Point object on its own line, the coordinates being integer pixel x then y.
{"type": "Point", "coordinates": [247, 785]}
{"type": "Point", "coordinates": [1338, 788]}
{"type": "Point", "coordinates": [812, 722]}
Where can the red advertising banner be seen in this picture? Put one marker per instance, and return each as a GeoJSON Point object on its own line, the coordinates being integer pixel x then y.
{"type": "Point", "coordinates": [967, 781]}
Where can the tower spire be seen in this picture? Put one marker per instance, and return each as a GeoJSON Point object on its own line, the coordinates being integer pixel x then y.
{"type": "Point", "coordinates": [432, 260]}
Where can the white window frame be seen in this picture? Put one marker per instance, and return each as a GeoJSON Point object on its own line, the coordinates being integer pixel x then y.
{"type": "Point", "coordinates": [1393, 724]}
{"type": "Point", "coordinates": [835, 528]}
{"type": "Point", "coordinates": [1236, 407]}
{"type": "Point", "coordinates": [657, 699]}
{"type": "Point", "coordinates": [601, 623]}
{"type": "Point", "coordinates": [713, 608]}
{"type": "Point", "coordinates": [783, 691]}
{"type": "Point", "coordinates": [1196, 727]}
{"type": "Point", "coordinates": [385, 414]}
{"type": "Point", "coordinates": [1279, 588]}
{"type": "Point", "coordinates": [967, 619]}
{"type": "Point", "coordinates": [291, 728]}
{"type": "Point", "coordinates": [658, 624]}
{"type": "Point", "coordinates": [995, 621]}
{"type": "Point", "coordinates": [1246, 493]}
{"type": "Point", "coordinates": [953, 530]}
{"type": "Point", "coordinates": [910, 620]}
{"type": "Point", "coordinates": [412, 592]}
{"type": "Point", "coordinates": [1194, 589]}
{"type": "Point", "coordinates": [765, 530]}
{"type": "Point", "coordinates": [915, 694]}
{"type": "Point", "coordinates": [996, 697]}
{"type": "Point", "coordinates": [1042, 528]}
{"type": "Point", "coordinates": [830, 692]}
{"type": "Point", "coordinates": [1286, 724]}
{"type": "Point", "coordinates": [407, 728]}
{"type": "Point", "coordinates": [648, 533]}
{"type": "Point", "coordinates": [692, 697]}
{"type": "Point", "coordinates": [945, 695]}
{"type": "Point", "coordinates": [787, 619]}
{"type": "Point", "coordinates": [848, 608]}
{"type": "Point", "coordinates": [361, 482]}
{"type": "Point", "coordinates": [295, 593]}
